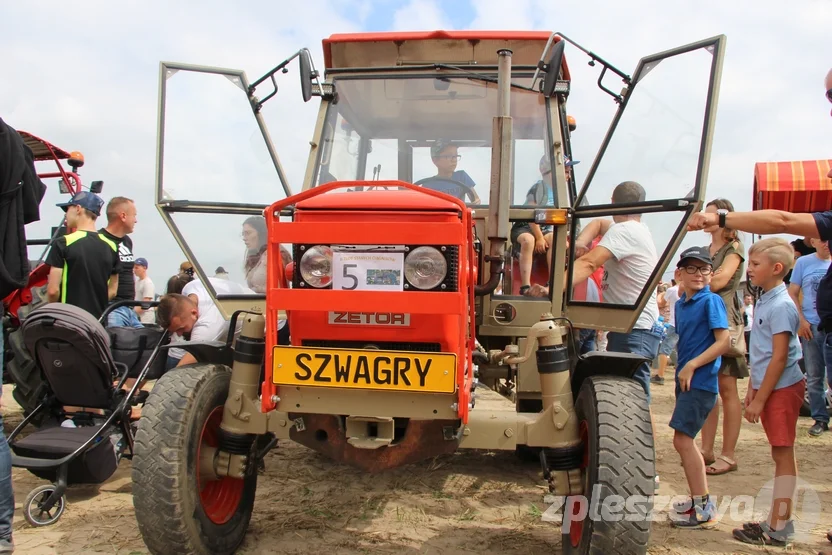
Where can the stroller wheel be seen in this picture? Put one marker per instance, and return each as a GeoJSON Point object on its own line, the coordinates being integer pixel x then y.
{"type": "Point", "coordinates": [33, 508]}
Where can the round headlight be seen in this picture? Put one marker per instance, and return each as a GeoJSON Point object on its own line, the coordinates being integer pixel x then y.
{"type": "Point", "coordinates": [425, 268]}
{"type": "Point", "coordinates": [316, 266]}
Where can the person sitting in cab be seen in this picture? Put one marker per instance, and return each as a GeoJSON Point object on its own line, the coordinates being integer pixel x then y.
{"type": "Point", "coordinates": [448, 179]}
{"type": "Point", "coordinates": [528, 238]}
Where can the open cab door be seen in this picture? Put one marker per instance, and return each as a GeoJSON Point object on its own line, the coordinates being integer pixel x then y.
{"type": "Point", "coordinates": [660, 138]}
{"type": "Point", "coordinates": [216, 171]}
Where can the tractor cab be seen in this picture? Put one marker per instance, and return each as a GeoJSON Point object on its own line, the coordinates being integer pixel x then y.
{"type": "Point", "coordinates": [409, 338]}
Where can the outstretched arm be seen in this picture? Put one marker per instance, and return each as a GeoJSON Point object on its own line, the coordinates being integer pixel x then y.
{"type": "Point", "coordinates": [762, 222]}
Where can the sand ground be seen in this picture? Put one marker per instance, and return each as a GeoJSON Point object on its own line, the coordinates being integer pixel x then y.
{"type": "Point", "coordinates": [468, 502]}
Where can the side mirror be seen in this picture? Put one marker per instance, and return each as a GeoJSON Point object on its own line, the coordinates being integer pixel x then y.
{"type": "Point", "coordinates": [96, 186]}
{"type": "Point", "coordinates": [306, 74]}
{"type": "Point", "coordinates": [553, 65]}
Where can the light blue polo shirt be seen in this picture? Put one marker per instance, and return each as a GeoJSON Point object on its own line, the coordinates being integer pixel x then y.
{"type": "Point", "coordinates": [808, 272]}
{"type": "Point", "coordinates": [775, 313]}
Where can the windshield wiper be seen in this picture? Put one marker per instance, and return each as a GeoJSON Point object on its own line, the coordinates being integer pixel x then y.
{"type": "Point", "coordinates": [478, 77]}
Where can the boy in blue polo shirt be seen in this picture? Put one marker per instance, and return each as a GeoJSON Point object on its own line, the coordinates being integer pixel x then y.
{"type": "Point", "coordinates": [702, 325]}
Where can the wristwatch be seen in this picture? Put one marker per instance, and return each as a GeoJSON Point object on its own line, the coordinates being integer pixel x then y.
{"type": "Point", "coordinates": [722, 213]}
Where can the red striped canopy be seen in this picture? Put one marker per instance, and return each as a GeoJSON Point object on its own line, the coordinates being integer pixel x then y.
{"type": "Point", "coordinates": [793, 186]}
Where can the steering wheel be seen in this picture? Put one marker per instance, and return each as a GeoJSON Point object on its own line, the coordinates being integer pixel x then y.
{"type": "Point", "coordinates": [467, 189]}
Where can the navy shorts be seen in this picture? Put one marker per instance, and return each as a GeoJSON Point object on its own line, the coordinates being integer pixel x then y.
{"type": "Point", "coordinates": [692, 409]}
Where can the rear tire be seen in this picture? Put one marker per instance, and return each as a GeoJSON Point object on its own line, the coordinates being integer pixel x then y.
{"type": "Point", "coordinates": [619, 460]}
{"type": "Point", "coordinates": [174, 513]}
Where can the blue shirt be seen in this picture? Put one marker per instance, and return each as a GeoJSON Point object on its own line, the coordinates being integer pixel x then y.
{"type": "Point", "coordinates": [696, 320]}
{"type": "Point", "coordinates": [449, 188]}
{"type": "Point", "coordinates": [775, 313]}
{"type": "Point", "coordinates": [824, 293]}
{"type": "Point", "coordinates": [808, 272]}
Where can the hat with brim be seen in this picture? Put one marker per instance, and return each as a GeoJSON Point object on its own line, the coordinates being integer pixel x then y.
{"type": "Point", "coordinates": [86, 200]}
{"type": "Point", "coordinates": [701, 254]}
{"type": "Point", "coordinates": [568, 162]}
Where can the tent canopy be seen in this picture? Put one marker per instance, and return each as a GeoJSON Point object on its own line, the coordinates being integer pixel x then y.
{"type": "Point", "coordinates": [793, 186]}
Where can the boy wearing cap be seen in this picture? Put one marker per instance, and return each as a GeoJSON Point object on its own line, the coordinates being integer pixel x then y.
{"type": "Point", "coordinates": [145, 291]}
{"type": "Point", "coordinates": [85, 264]}
{"type": "Point", "coordinates": [702, 324]}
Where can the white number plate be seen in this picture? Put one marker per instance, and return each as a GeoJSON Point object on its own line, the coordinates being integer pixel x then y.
{"type": "Point", "coordinates": [368, 271]}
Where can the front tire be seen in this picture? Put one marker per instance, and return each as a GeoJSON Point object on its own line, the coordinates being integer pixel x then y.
{"type": "Point", "coordinates": [619, 463]}
{"type": "Point", "coordinates": [175, 512]}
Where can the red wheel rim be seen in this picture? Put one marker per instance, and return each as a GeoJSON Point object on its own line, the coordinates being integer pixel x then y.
{"type": "Point", "coordinates": [220, 498]}
{"type": "Point", "coordinates": [576, 527]}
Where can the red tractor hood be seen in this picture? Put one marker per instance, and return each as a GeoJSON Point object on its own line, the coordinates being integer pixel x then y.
{"type": "Point", "coordinates": [399, 200]}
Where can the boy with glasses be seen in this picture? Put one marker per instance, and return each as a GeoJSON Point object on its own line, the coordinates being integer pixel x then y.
{"type": "Point", "coordinates": [702, 324]}
{"type": "Point", "coordinates": [457, 183]}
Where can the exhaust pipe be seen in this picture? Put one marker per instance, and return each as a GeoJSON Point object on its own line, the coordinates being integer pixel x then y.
{"type": "Point", "coordinates": [501, 163]}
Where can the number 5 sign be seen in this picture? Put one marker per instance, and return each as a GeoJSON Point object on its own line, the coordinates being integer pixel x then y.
{"type": "Point", "coordinates": [368, 271]}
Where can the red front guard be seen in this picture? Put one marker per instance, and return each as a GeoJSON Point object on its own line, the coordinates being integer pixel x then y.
{"type": "Point", "coordinates": [419, 302]}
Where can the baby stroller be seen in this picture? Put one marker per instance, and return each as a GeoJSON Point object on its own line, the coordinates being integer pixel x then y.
{"type": "Point", "coordinates": [73, 351]}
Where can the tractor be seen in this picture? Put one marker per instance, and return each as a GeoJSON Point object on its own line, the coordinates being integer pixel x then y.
{"type": "Point", "coordinates": [408, 337]}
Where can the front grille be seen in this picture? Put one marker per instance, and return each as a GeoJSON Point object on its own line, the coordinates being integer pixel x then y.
{"type": "Point", "coordinates": [451, 254]}
{"type": "Point", "coordinates": [383, 345]}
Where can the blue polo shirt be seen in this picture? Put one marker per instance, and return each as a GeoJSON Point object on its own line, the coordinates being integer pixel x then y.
{"type": "Point", "coordinates": [775, 313]}
{"type": "Point", "coordinates": [696, 318]}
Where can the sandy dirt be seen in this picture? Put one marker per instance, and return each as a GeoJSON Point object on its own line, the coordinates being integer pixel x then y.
{"type": "Point", "coordinates": [469, 502]}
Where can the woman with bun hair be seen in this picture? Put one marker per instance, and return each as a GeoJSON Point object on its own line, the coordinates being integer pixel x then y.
{"type": "Point", "coordinates": [728, 254]}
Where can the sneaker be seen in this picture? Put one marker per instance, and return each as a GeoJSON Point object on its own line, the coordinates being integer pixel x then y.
{"type": "Point", "coordinates": [818, 428]}
{"type": "Point", "coordinates": [760, 533]}
{"type": "Point", "coordinates": [682, 507]}
{"type": "Point", "coordinates": [656, 379]}
{"type": "Point", "coordinates": [6, 545]}
{"type": "Point", "coordinates": [700, 517]}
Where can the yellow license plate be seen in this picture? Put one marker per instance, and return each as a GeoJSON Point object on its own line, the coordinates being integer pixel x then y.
{"type": "Point", "coordinates": [365, 369]}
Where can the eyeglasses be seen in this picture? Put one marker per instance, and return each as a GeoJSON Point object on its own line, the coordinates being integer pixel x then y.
{"type": "Point", "coordinates": [704, 270]}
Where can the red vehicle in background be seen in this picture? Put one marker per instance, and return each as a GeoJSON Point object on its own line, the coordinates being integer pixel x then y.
{"type": "Point", "coordinates": [18, 304]}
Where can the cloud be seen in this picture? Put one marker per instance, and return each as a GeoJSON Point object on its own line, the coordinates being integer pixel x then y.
{"type": "Point", "coordinates": [420, 15]}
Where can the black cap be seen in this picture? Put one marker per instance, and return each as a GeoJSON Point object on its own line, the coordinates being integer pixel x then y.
{"type": "Point", "coordinates": [697, 253]}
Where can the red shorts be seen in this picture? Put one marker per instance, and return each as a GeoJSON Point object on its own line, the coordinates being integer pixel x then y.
{"type": "Point", "coordinates": [779, 416]}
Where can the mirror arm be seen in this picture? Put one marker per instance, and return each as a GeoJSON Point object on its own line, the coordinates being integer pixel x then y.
{"type": "Point", "coordinates": [595, 58]}
{"type": "Point", "coordinates": [256, 104]}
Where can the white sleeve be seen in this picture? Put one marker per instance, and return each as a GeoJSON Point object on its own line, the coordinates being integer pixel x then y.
{"type": "Point", "coordinates": [148, 290]}
{"type": "Point", "coordinates": [619, 241]}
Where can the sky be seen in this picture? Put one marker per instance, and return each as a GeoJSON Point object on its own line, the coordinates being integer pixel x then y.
{"type": "Point", "coordinates": [86, 77]}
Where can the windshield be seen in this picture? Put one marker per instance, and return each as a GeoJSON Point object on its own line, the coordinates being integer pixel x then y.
{"type": "Point", "coordinates": [432, 131]}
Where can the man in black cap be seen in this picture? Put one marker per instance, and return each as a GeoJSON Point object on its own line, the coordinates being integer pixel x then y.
{"type": "Point", "coordinates": [85, 264]}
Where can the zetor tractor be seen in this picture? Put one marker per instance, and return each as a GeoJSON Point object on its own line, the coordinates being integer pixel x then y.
{"type": "Point", "coordinates": [408, 337]}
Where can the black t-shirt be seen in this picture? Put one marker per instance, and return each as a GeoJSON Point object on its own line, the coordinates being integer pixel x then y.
{"type": "Point", "coordinates": [88, 260]}
{"type": "Point", "coordinates": [126, 281]}
{"type": "Point", "coordinates": [824, 295]}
